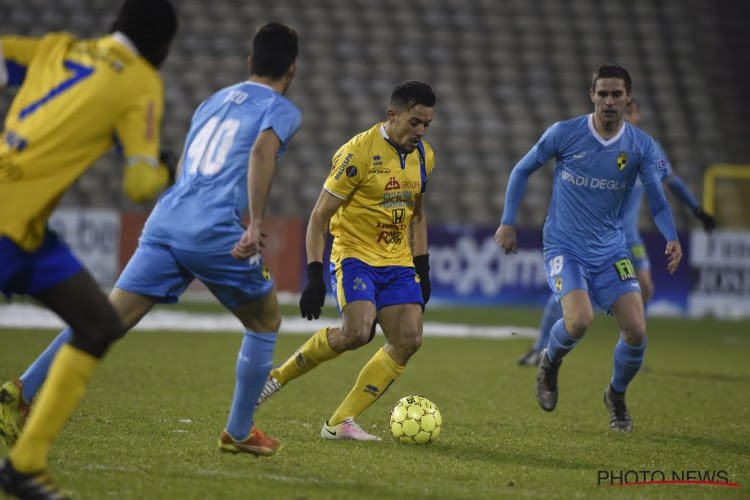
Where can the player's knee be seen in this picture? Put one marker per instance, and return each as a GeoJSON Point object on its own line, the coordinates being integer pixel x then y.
{"type": "Point", "coordinates": [272, 323]}
{"type": "Point", "coordinates": [354, 336]}
{"type": "Point", "coordinates": [634, 335]}
{"type": "Point", "coordinates": [95, 336]}
{"type": "Point", "coordinates": [577, 324]}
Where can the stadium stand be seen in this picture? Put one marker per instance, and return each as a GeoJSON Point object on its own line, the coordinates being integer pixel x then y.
{"type": "Point", "coordinates": [503, 71]}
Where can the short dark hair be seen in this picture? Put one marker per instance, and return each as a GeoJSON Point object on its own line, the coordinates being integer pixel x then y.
{"type": "Point", "coordinates": [150, 25]}
{"type": "Point", "coordinates": [408, 94]}
{"type": "Point", "coordinates": [612, 71]}
{"type": "Point", "coordinates": [275, 48]}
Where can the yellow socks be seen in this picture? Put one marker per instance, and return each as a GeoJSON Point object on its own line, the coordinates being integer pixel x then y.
{"type": "Point", "coordinates": [373, 380]}
{"type": "Point", "coordinates": [313, 352]}
{"type": "Point", "coordinates": [66, 384]}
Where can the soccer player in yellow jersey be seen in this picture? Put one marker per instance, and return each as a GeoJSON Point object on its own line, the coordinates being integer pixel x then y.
{"type": "Point", "coordinates": [372, 203]}
{"type": "Point", "coordinates": [73, 97]}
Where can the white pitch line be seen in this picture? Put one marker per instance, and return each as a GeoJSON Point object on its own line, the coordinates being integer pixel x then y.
{"type": "Point", "coordinates": [31, 316]}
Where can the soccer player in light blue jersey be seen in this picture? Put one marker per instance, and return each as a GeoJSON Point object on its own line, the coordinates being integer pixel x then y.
{"type": "Point", "coordinates": [598, 159]}
{"type": "Point", "coordinates": [235, 139]}
{"type": "Point", "coordinates": [553, 310]}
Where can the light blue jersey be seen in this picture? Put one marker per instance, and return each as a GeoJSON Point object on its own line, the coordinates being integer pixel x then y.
{"type": "Point", "coordinates": [210, 194]}
{"type": "Point", "coordinates": [592, 179]}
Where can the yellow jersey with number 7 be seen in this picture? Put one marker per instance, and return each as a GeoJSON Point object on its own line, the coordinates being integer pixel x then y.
{"type": "Point", "coordinates": [76, 98]}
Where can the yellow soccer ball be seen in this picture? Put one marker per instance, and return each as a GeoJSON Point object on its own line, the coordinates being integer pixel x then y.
{"type": "Point", "coordinates": [415, 420]}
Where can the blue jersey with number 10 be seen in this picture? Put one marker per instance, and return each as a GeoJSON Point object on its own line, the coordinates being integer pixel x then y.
{"type": "Point", "coordinates": [203, 210]}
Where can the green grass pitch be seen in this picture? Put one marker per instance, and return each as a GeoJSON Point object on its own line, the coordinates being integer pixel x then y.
{"type": "Point", "coordinates": [149, 425]}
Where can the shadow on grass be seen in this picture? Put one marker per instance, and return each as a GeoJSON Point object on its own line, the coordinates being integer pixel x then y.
{"type": "Point", "coordinates": [742, 449]}
{"type": "Point", "coordinates": [714, 377]}
{"type": "Point", "coordinates": [513, 457]}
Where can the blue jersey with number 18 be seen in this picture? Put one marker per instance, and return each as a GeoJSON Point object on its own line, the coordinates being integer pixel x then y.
{"type": "Point", "coordinates": [203, 210]}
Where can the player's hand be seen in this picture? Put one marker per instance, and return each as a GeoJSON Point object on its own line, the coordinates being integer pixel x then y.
{"type": "Point", "coordinates": [250, 243]}
{"type": "Point", "coordinates": [422, 268]}
{"type": "Point", "coordinates": [708, 221]}
{"type": "Point", "coordinates": [674, 255]}
{"type": "Point", "coordinates": [314, 295]}
{"type": "Point", "coordinates": [506, 238]}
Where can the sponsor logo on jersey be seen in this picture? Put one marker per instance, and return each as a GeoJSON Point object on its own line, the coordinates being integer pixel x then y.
{"type": "Point", "coordinates": [625, 270]}
{"type": "Point", "coordinates": [377, 160]}
{"type": "Point", "coordinates": [398, 215]}
{"type": "Point", "coordinates": [379, 171]}
{"type": "Point", "coordinates": [343, 165]}
{"type": "Point", "coordinates": [558, 284]}
{"type": "Point", "coordinates": [392, 184]}
{"type": "Point", "coordinates": [390, 237]}
{"type": "Point", "coordinates": [351, 171]}
{"type": "Point", "coordinates": [593, 182]}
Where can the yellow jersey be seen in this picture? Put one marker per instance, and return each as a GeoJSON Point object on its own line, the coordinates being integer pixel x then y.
{"type": "Point", "coordinates": [380, 187]}
{"type": "Point", "coordinates": [76, 98]}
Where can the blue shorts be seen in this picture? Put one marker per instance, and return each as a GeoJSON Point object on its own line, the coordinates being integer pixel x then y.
{"type": "Point", "coordinates": [605, 284]}
{"type": "Point", "coordinates": [352, 279]}
{"type": "Point", "coordinates": [27, 273]}
{"type": "Point", "coordinates": [163, 272]}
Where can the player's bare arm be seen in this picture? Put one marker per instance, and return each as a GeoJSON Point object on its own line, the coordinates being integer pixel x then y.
{"type": "Point", "coordinates": [317, 227]}
{"type": "Point", "coordinates": [506, 238]}
{"type": "Point", "coordinates": [418, 228]}
{"type": "Point", "coordinates": [261, 168]}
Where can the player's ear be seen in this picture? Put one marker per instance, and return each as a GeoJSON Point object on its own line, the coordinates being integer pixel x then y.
{"type": "Point", "coordinates": [292, 70]}
{"type": "Point", "coordinates": [249, 62]}
{"type": "Point", "coordinates": [391, 114]}
{"type": "Point", "coordinates": [591, 94]}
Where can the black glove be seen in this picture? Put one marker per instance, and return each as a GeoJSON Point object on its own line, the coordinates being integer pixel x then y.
{"type": "Point", "coordinates": [708, 221]}
{"type": "Point", "coordinates": [422, 268]}
{"type": "Point", "coordinates": [169, 160]}
{"type": "Point", "coordinates": [314, 295]}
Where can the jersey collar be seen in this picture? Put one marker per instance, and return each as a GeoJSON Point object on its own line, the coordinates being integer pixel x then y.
{"type": "Point", "coordinates": [402, 156]}
{"type": "Point", "coordinates": [123, 39]}
{"type": "Point", "coordinates": [605, 142]}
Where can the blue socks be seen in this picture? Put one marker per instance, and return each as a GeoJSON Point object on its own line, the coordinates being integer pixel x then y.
{"type": "Point", "coordinates": [34, 376]}
{"type": "Point", "coordinates": [253, 364]}
{"type": "Point", "coordinates": [628, 360]}
{"type": "Point", "coordinates": [552, 312]}
{"type": "Point", "coordinates": [560, 342]}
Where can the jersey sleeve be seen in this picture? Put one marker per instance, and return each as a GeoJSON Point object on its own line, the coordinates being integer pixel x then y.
{"type": "Point", "coordinates": [139, 127]}
{"type": "Point", "coordinates": [16, 53]}
{"type": "Point", "coordinates": [654, 165]}
{"type": "Point", "coordinates": [546, 146]}
{"type": "Point", "coordinates": [429, 160]}
{"type": "Point", "coordinates": [345, 174]}
{"type": "Point", "coordinates": [284, 119]}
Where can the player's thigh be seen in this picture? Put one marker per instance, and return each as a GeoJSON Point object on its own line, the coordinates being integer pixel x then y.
{"type": "Point", "coordinates": [631, 318]}
{"type": "Point", "coordinates": [578, 312]}
{"type": "Point", "coordinates": [80, 302]}
{"type": "Point", "coordinates": [352, 281]}
{"type": "Point", "coordinates": [613, 279]}
{"type": "Point", "coordinates": [358, 320]}
{"type": "Point", "coordinates": [244, 286]}
{"type": "Point", "coordinates": [402, 324]}
{"type": "Point", "coordinates": [261, 315]}
{"type": "Point", "coordinates": [154, 271]}
{"type": "Point", "coordinates": [130, 307]}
